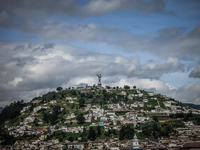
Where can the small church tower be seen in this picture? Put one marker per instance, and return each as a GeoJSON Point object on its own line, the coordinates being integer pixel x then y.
{"type": "Point", "coordinates": [135, 142]}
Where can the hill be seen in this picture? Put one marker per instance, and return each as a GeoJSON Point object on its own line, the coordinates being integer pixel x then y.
{"type": "Point", "coordinates": [192, 105]}
{"type": "Point", "coordinates": [95, 113]}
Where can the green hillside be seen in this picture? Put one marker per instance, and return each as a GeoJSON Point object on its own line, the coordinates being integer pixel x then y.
{"type": "Point", "coordinates": [91, 113]}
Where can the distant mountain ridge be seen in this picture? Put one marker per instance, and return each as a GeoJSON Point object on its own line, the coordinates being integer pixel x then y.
{"type": "Point", "coordinates": [192, 105]}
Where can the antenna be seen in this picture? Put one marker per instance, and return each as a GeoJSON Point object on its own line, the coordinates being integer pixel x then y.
{"type": "Point", "coordinates": [99, 77]}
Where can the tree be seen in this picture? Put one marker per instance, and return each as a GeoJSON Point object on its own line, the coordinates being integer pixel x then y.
{"type": "Point", "coordinates": [98, 131]}
{"type": "Point", "coordinates": [92, 134]}
{"type": "Point", "coordinates": [134, 87]}
{"type": "Point", "coordinates": [11, 111]}
{"type": "Point", "coordinates": [59, 88]}
{"type": "Point", "coordinates": [80, 118]}
{"type": "Point", "coordinates": [53, 118]}
{"type": "Point", "coordinates": [31, 108]}
{"type": "Point", "coordinates": [108, 133]}
{"type": "Point", "coordinates": [71, 139]}
{"type": "Point", "coordinates": [129, 132]}
{"type": "Point", "coordinates": [84, 135]}
{"type": "Point", "coordinates": [81, 102]}
{"type": "Point", "coordinates": [122, 133]}
{"type": "Point", "coordinates": [155, 118]}
{"type": "Point", "coordinates": [73, 92]}
{"type": "Point", "coordinates": [36, 120]}
{"type": "Point", "coordinates": [126, 87]}
{"type": "Point", "coordinates": [126, 132]}
{"type": "Point", "coordinates": [82, 94]}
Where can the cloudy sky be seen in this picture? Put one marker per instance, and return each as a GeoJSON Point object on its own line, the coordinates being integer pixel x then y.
{"type": "Point", "coordinates": [153, 44]}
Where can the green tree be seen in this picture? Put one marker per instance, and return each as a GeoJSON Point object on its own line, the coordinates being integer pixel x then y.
{"type": "Point", "coordinates": [108, 133]}
{"type": "Point", "coordinates": [126, 87]}
{"type": "Point", "coordinates": [122, 133]}
{"type": "Point", "coordinates": [84, 135]}
{"type": "Point", "coordinates": [80, 118]}
{"type": "Point", "coordinates": [31, 108]}
{"type": "Point", "coordinates": [126, 132]}
{"type": "Point", "coordinates": [11, 111]}
{"type": "Point", "coordinates": [81, 102]}
{"type": "Point", "coordinates": [71, 139]}
{"type": "Point", "coordinates": [59, 88]}
{"type": "Point", "coordinates": [98, 131]}
{"type": "Point", "coordinates": [155, 118]}
{"type": "Point", "coordinates": [82, 94]}
{"type": "Point", "coordinates": [92, 134]}
{"type": "Point", "coordinates": [129, 132]}
{"type": "Point", "coordinates": [36, 120]}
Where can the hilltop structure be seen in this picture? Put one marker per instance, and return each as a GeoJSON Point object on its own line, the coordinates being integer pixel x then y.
{"type": "Point", "coordinates": [99, 82]}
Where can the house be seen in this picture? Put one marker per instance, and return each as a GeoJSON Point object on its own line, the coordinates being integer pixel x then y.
{"type": "Point", "coordinates": [43, 137]}
{"type": "Point", "coordinates": [140, 94]}
{"type": "Point", "coordinates": [53, 102]}
{"type": "Point", "coordinates": [37, 108]}
{"type": "Point", "coordinates": [36, 101]}
{"type": "Point", "coordinates": [123, 93]}
{"type": "Point", "coordinates": [72, 115]}
{"type": "Point", "coordinates": [131, 96]}
{"type": "Point", "coordinates": [78, 146]}
{"type": "Point", "coordinates": [29, 119]}
{"type": "Point", "coordinates": [167, 103]}
{"type": "Point", "coordinates": [25, 109]}
{"type": "Point", "coordinates": [151, 93]}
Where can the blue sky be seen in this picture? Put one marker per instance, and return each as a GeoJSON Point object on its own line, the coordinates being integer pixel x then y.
{"type": "Point", "coordinates": [153, 44]}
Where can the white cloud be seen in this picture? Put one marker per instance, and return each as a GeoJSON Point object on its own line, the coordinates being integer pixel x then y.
{"type": "Point", "coordinates": [33, 67]}
{"type": "Point", "coordinates": [147, 84]}
{"type": "Point", "coordinates": [101, 7]}
{"type": "Point", "coordinates": [15, 82]}
{"type": "Point", "coordinates": [189, 93]}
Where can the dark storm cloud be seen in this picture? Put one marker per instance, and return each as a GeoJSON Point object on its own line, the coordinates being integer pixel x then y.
{"type": "Point", "coordinates": [176, 42]}
{"type": "Point", "coordinates": [29, 8]}
{"type": "Point", "coordinates": [27, 17]}
{"type": "Point", "coordinates": [24, 9]}
{"type": "Point", "coordinates": [170, 42]}
{"type": "Point", "coordinates": [195, 73]}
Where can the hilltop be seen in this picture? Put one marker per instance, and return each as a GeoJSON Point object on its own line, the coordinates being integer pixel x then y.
{"type": "Point", "coordinates": [90, 113]}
